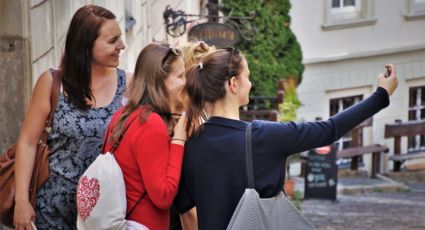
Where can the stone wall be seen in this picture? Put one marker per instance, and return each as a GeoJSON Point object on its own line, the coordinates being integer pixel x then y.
{"type": "Point", "coordinates": [15, 74]}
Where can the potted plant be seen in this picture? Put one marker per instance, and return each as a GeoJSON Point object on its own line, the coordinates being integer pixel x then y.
{"type": "Point", "coordinates": [289, 185]}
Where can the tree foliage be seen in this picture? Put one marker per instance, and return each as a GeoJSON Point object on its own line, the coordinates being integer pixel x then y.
{"type": "Point", "coordinates": [274, 52]}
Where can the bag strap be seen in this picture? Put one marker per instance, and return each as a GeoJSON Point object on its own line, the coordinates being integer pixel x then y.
{"type": "Point", "coordinates": [117, 144]}
{"type": "Point", "coordinates": [248, 157]}
{"type": "Point", "coordinates": [54, 98]}
{"type": "Point", "coordinates": [113, 151]}
{"type": "Point", "coordinates": [134, 207]}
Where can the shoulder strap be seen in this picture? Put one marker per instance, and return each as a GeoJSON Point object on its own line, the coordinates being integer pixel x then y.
{"type": "Point", "coordinates": [115, 146]}
{"type": "Point", "coordinates": [54, 95]}
{"type": "Point", "coordinates": [135, 205]}
{"type": "Point", "coordinates": [54, 98]}
{"type": "Point", "coordinates": [248, 157]}
{"type": "Point", "coordinates": [113, 151]}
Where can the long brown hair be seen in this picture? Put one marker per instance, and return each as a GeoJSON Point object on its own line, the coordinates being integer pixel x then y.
{"type": "Point", "coordinates": [205, 82]}
{"type": "Point", "coordinates": [77, 58]}
{"type": "Point", "coordinates": [147, 88]}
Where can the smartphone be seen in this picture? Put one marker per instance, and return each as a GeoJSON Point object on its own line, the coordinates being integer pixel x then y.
{"type": "Point", "coordinates": [388, 71]}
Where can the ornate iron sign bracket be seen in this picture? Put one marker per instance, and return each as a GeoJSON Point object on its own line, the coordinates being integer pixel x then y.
{"type": "Point", "coordinates": [177, 20]}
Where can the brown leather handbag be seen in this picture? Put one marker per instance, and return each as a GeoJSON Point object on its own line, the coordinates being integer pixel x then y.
{"type": "Point", "coordinates": [41, 164]}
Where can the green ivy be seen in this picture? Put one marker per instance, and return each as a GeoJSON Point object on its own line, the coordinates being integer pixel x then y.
{"type": "Point", "coordinates": [289, 107]}
{"type": "Point", "coordinates": [274, 52]}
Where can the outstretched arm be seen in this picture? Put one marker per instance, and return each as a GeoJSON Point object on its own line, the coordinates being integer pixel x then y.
{"type": "Point", "coordinates": [308, 135]}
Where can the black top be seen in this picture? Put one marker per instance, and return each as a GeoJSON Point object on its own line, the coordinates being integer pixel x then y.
{"type": "Point", "coordinates": [213, 177]}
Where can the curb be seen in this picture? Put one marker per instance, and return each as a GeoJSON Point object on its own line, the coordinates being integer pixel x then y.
{"type": "Point", "coordinates": [389, 186]}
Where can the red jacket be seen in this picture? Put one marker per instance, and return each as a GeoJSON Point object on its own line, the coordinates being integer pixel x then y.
{"type": "Point", "coordinates": [150, 163]}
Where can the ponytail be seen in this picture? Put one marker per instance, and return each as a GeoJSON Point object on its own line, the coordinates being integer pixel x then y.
{"type": "Point", "coordinates": [196, 96]}
{"type": "Point", "coordinates": [205, 83]}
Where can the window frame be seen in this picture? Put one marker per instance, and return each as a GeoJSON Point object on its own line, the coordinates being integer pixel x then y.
{"type": "Point", "coordinates": [365, 135]}
{"type": "Point", "coordinates": [347, 137]}
{"type": "Point", "coordinates": [415, 10]}
{"type": "Point", "coordinates": [416, 106]}
{"type": "Point", "coordinates": [346, 12]}
{"type": "Point", "coordinates": [351, 16]}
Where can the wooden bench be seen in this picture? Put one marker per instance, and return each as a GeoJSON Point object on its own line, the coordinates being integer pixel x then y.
{"type": "Point", "coordinates": [398, 130]}
{"type": "Point", "coordinates": [357, 142]}
{"type": "Point", "coordinates": [355, 152]}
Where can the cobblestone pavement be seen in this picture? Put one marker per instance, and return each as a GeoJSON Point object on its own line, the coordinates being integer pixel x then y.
{"type": "Point", "coordinates": [381, 210]}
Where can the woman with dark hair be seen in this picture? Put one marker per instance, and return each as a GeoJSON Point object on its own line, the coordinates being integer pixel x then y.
{"type": "Point", "coordinates": [149, 135]}
{"type": "Point", "coordinates": [192, 53]}
{"type": "Point", "coordinates": [92, 89]}
{"type": "Point", "coordinates": [213, 174]}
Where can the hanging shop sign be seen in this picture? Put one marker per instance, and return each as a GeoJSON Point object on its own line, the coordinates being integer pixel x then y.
{"type": "Point", "coordinates": [217, 34]}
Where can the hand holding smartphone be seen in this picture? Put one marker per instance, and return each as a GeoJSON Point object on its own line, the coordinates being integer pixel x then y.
{"type": "Point", "coordinates": [388, 80]}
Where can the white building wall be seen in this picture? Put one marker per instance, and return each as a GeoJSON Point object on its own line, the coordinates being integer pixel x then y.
{"type": "Point", "coordinates": [346, 61]}
{"type": "Point", "coordinates": [391, 31]}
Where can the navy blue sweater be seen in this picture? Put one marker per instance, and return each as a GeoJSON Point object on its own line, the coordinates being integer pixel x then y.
{"type": "Point", "coordinates": [213, 176]}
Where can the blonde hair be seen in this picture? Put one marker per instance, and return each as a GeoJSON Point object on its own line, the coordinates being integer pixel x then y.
{"type": "Point", "coordinates": [193, 52]}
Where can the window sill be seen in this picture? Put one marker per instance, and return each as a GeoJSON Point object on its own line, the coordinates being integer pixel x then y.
{"type": "Point", "coordinates": [348, 24]}
{"type": "Point", "coordinates": [414, 16]}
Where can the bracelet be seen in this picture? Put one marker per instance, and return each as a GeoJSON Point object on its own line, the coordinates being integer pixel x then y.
{"type": "Point", "coordinates": [178, 139]}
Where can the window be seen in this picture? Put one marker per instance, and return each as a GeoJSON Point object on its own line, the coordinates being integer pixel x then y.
{"type": "Point", "coordinates": [345, 9]}
{"type": "Point", "coordinates": [416, 112]}
{"type": "Point", "coordinates": [338, 105]}
{"type": "Point", "coordinates": [348, 13]}
{"type": "Point", "coordinates": [343, 3]}
{"type": "Point", "coordinates": [416, 9]}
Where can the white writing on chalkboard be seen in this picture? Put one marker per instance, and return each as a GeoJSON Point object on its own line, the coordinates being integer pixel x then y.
{"type": "Point", "coordinates": [321, 175]}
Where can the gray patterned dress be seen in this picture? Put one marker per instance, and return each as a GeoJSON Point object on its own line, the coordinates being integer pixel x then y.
{"type": "Point", "coordinates": [75, 141]}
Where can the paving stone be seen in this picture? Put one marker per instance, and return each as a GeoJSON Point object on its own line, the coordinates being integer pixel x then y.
{"type": "Point", "coordinates": [400, 210]}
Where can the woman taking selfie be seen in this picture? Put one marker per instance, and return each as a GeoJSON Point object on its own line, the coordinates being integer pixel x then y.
{"type": "Point", "coordinates": [213, 174]}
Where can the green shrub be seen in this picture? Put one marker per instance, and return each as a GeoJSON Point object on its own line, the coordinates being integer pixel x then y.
{"type": "Point", "coordinates": [273, 53]}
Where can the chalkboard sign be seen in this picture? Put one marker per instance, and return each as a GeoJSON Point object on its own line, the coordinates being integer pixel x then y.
{"type": "Point", "coordinates": [321, 174]}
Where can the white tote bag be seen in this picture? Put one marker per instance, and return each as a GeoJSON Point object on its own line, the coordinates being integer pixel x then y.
{"type": "Point", "coordinates": [101, 195]}
{"type": "Point", "coordinates": [255, 213]}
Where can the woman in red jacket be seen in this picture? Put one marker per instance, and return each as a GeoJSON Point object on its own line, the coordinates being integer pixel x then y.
{"type": "Point", "coordinates": [150, 153]}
